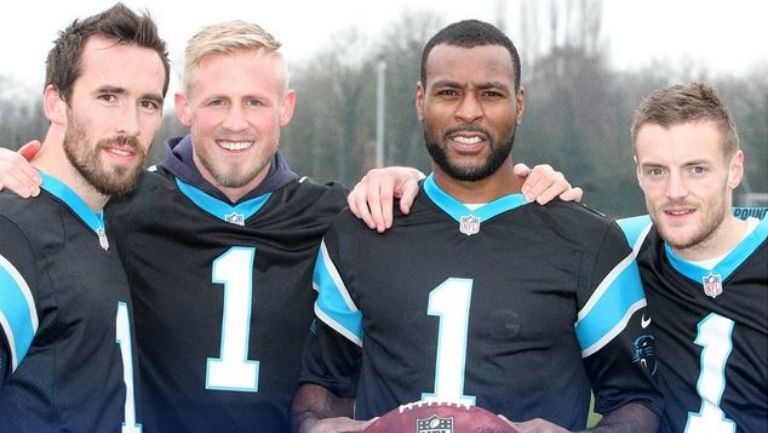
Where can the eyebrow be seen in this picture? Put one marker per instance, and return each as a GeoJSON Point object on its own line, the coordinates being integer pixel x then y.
{"type": "Point", "coordinates": [482, 86]}
{"type": "Point", "coordinates": [156, 97]}
{"type": "Point", "coordinates": [110, 89]}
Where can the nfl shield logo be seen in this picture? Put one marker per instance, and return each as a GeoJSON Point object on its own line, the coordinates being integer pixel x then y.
{"type": "Point", "coordinates": [469, 225]}
{"type": "Point", "coordinates": [103, 241]}
{"type": "Point", "coordinates": [434, 424]}
{"type": "Point", "coordinates": [235, 218]}
{"type": "Point", "coordinates": [713, 285]}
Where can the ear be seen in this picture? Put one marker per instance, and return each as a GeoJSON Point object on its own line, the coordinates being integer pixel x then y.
{"type": "Point", "coordinates": [736, 170]}
{"type": "Point", "coordinates": [54, 106]}
{"type": "Point", "coordinates": [520, 100]}
{"type": "Point", "coordinates": [637, 171]}
{"type": "Point", "coordinates": [420, 100]}
{"type": "Point", "coordinates": [183, 109]}
{"type": "Point", "coordinates": [287, 105]}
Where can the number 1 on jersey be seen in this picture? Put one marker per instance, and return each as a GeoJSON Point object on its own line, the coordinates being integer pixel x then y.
{"type": "Point", "coordinates": [123, 339]}
{"type": "Point", "coordinates": [450, 301]}
{"type": "Point", "coordinates": [232, 371]}
{"type": "Point", "coordinates": [715, 336]}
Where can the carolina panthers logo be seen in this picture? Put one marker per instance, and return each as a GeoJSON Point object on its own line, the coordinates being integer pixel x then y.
{"type": "Point", "coordinates": [645, 353]}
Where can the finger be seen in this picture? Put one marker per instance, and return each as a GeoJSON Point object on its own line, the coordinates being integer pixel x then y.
{"type": "Point", "coordinates": [357, 198]}
{"type": "Point", "coordinates": [534, 184]}
{"type": "Point", "coordinates": [573, 194]}
{"type": "Point", "coordinates": [387, 205]}
{"type": "Point", "coordinates": [551, 188]}
{"type": "Point", "coordinates": [521, 170]}
{"type": "Point", "coordinates": [373, 198]}
{"type": "Point", "coordinates": [352, 202]}
{"type": "Point", "coordinates": [10, 181]}
{"type": "Point", "coordinates": [409, 192]}
{"type": "Point", "coordinates": [29, 150]}
{"type": "Point", "coordinates": [348, 425]}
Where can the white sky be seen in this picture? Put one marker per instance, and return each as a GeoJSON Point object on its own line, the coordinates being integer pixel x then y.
{"type": "Point", "coordinates": [728, 37]}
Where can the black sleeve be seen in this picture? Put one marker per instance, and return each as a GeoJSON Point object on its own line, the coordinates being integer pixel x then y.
{"type": "Point", "coordinates": [617, 345]}
{"type": "Point", "coordinates": [332, 352]}
{"type": "Point", "coordinates": [18, 311]}
{"type": "Point", "coordinates": [330, 360]}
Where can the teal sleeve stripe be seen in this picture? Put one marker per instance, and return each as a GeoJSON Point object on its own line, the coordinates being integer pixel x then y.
{"type": "Point", "coordinates": [18, 317]}
{"type": "Point", "coordinates": [334, 306]}
{"type": "Point", "coordinates": [610, 313]}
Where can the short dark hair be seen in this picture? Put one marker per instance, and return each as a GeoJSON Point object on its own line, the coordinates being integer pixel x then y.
{"type": "Point", "coordinates": [470, 34]}
{"type": "Point", "coordinates": [693, 102]}
{"type": "Point", "coordinates": [65, 62]}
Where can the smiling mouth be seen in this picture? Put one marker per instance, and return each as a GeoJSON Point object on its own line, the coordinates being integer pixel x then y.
{"type": "Point", "coordinates": [234, 146]}
{"type": "Point", "coordinates": [679, 212]}
{"type": "Point", "coordinates": [465, 142]}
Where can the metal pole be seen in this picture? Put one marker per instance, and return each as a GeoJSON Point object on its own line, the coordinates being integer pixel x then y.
{"type": "Point", "coordinates": [380, 103]}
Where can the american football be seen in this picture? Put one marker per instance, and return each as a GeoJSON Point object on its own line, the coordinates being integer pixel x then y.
{"type": "Point", "coordinates": [439, 417]}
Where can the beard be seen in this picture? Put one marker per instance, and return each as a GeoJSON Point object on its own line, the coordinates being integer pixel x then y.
{"type": "Point", "coordinates": [85, 157]}
{"type": "Point", "coordinates": [499, 153]}
{"type": "Point", "coordinates": [711, 220]}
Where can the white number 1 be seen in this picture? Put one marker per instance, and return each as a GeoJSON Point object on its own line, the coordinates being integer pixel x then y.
{"type": "Point", "coordinates": [715, 335]}
{"type": "Point", "coordinates": [232, 371]}
{"type": "Point", "coordinates": [450, 301]}
{"type": "Point", "coordinates": [123, 339]}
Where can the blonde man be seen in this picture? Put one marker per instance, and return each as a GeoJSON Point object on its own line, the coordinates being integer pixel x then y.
{"type": "Point", "coordinates": [219, 245]}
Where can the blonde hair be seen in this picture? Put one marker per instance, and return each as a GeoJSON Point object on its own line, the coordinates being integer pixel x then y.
{"type": "Point", "coordinates": [231, 37]}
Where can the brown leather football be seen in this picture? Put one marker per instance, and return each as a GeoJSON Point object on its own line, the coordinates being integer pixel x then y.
{"type": "Point", "coordinates": [438, 417]}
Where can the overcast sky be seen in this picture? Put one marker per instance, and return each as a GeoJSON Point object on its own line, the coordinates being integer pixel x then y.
{"type": "Point", "coordinates": [728, 37]}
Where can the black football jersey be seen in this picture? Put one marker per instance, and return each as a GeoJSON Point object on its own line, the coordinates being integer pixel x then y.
{"type": "Point", "coordinates": [65, 318]}
{"type": "Point", "coordinates": [711, 329]}
{"type": "Point", "coordinates": [223, 299]}
{"type": "Point", "coordinates": [521, 309]}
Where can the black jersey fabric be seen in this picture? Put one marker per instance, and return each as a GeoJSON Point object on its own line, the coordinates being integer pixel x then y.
{"type": "Point", "coordinates": [222, 293]}
{"type": "Point", "coordinates": [64, 317]}
{"type": "Point", "coordinates": [712, 332]}
{"type": "Point", "coordinates": [520, 308]}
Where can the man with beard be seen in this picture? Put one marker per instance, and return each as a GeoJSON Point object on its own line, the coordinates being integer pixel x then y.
{"type": "Point", "coordinates": [705, 271]}
{"type": "Point", "coordinates": [66, 339]}
{"type": "Point", "coordinates": [477, 297]}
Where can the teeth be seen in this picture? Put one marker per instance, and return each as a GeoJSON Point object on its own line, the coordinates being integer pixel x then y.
{"type": "Point", "coordinates": [235, 145]}
{"type": "Point", "coordinates": [120, 152]}
{"type": "Point", "coordinates": [467, 140]}
{"type": "Point", "coordinates": [677, 212]}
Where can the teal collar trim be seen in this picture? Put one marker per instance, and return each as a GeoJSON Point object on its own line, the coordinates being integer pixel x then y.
{"type": "Point", "coordinates": [94, 220]}
{"type": "Point", "coordinates": [728, 264]}
{"type": "Point", "coordinates": [224, 211]}
{"type": "Point", "coordinates": [457, 210]}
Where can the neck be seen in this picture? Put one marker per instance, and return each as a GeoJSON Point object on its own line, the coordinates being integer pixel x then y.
{"type": "Point", "coordinates": [54, 161]}
{"type": "Point", "coordinates": [236, 193]}
{"type": "Point", "coordinates": [502, 182]}
{"type": "Point", "coordinates": [723, 239]}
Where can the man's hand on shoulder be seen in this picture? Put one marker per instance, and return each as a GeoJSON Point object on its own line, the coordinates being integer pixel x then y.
{"type": "Point", "coordinates": [17, 174]}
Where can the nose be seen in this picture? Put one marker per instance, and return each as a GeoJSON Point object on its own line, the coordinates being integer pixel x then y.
{"type": "Point", "coordinates": [469, 109]}
{"type": "Point", "coordinates": [235, 119]}
{"type": "Point", "coordinates": [129, 123]}
{"type": "Point", "coordinates": [676, 188]}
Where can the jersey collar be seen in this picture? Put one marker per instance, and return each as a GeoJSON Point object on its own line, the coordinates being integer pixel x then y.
{"type": "Point", "coordinates": [729, 263]}
{"type": "Point", "coordinates": [94, 220]}
{"type": "Point", "coordinates": [224, 211]}
{"type": "Point", "coordinates": [457, 210]}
